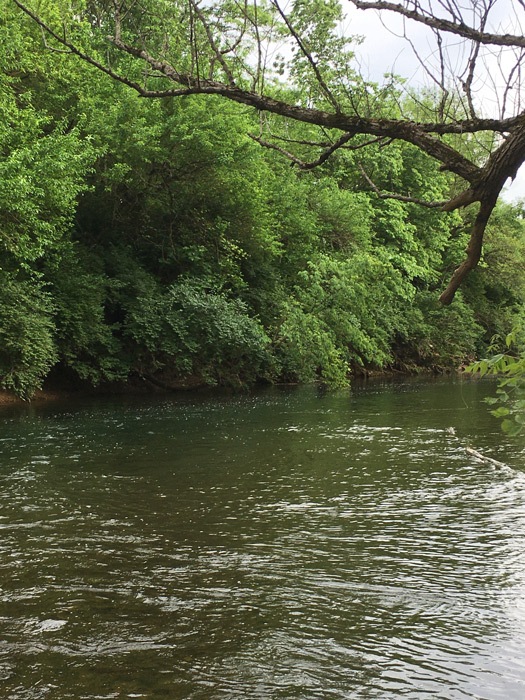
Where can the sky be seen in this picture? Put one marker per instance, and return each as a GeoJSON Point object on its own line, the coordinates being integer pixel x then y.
{"type": "Point", "coordinates": [384, 50]}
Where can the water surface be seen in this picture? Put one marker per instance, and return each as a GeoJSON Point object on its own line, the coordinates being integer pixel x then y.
{"type": "Point", "coordinates": [283, 544]}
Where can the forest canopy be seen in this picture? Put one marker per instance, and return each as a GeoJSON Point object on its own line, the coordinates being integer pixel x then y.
{"type": "Point", "coordinates": [169, 238]}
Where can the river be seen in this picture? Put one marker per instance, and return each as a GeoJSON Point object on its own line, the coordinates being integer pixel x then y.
{"type": "Point", "coordinates": [281, 544]}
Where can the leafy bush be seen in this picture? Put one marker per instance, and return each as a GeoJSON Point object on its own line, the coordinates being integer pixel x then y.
{"type": "Point", "coordinates": [346, 312]}
{"type": "Point", "coordinates": [192, 329]}
{"type": "Point", "coordinates": [510, 367]}
{"type": "Point", "coordinates": [307, 348]}
{"type": "Point", "coordinates": [27, 347]}
{"type": "Point", "coordinates": [86, 341]}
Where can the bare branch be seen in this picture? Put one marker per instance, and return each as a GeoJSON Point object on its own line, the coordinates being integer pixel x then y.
{"type": "Point", "coordinates": [308, 56]}
{"type": "Point", "coordinates": [325, 155]}
{"type": "Point", "coordinates": [471, 66]}
{"type": "Point", "coordinates": [218, 54]}
{"type": "Point", "coordinates": [467, 84]}
{"type": "Point", "coordinates": [329, 144]}
{"type": "Point", "coordinates": [513, 81]}
{"type": "Point", "coordinates": [259, 73]}
{"type": "Point", "coordinates": [52, 48]}
{"type": "Point", "coordinates": [238, 41]}
{"type": "Point", "coordinates": [399, 197]}
{"type": "Point", "coordinates": [275, 147]}
{"type": "Point", "coordinates": [457, 27]}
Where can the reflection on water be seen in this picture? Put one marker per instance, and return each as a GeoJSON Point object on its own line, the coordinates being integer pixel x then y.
{"type": "Point", "coordinates": [277, 545]}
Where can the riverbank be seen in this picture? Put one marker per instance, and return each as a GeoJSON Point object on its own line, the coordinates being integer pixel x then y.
{"type": "Point", "coordinates": [59, 388]}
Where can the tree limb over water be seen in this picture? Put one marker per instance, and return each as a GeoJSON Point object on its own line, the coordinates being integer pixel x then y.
{"type": "Point", "coordinates": [240, 50]}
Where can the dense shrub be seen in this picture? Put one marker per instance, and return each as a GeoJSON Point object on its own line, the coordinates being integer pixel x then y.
{"type": "Point", "coordinates": [27, 347]}
{"type": "Point", "coordinates": [192, 329]}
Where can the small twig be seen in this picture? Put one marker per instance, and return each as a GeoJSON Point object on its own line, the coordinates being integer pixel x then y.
{"type": "Point", "coordinates": [52, 48]}
{"type": "Point", "coordinates": [211, 41]}
{"type": "Point", "coordinates": [307, 54]}
{"type": "Point", "coordinates": [237, 42]}
{"type": "Point", "coordinates": [275, 147]}
{"type": "Point", "coordinates": [382, 140]}
{"type": "Point", "coordinates": [400, 197]}
{"type": "Point", "coordinates": [329, 149]}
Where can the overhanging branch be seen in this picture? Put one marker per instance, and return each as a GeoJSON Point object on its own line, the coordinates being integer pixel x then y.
{"type": "Point", "coordinates": [444, 25]}
{"type": "Point", "coordinates": [484, 183]}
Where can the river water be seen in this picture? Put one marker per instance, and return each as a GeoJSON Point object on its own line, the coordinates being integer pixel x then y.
{"type": "Point", "coordinates": [282, 544]}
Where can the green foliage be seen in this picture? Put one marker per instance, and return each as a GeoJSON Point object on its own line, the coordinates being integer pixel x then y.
{"type": "Point", "coordinates": [156, 237]}
{"type": "Point", "coordinates": [308, 348]}
{"type": "Point", "coordinates": [437, 337]}
{"type": "Point", "coordinates": [86, 340]}
{"type": "Point", "coordinates": [43, 158]}
{"type": "Point", "coordinates": [346, 312]}
{"type": "Point", "coordinates": [317, 23]}
{"type": "Point", "coordinates": [190, 329]}
{"type": "Point", "coordinates": [510, 367]}
{"type": "Point", "coordinates": [27, 347]}
{"type": "Point", "coordinates": [40, 184]}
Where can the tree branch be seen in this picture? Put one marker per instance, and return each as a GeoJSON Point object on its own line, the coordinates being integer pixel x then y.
{"type": "Point", "coordinates": [274, 147]}
{"type": "Point", "coordinates": [473, 251]}
{"type": "Point", "coordinates": [308, 56]}
{"type": "Point", "coordinates": [211, 41]}
{"type": "Point", "coordinates": [325, 155]}
{"type": "Point", "coordinates": [400, 197]}
{"type": "Point", "coordinates": [457, 27]}
{"type": "Point", "coordinates": [484, 182]}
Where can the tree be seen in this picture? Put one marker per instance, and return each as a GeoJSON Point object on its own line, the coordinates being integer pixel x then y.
{"type": "Point", "coordinates": [43, 165]}
{"type": "Point", "coordinates": [239, 49]}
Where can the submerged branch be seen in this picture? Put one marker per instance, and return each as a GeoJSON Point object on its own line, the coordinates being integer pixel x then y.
{"type": "Point", "coordinates": [484, 458]}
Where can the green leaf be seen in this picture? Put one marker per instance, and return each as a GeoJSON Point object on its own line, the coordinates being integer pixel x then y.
{"type": "Point", "coordinates": [500, 412]}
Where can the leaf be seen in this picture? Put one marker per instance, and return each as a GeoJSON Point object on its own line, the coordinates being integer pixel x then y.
{"type": "Point", "coordinates": [511, 427]}
{"type": "Point", "coordinates": [500, 412]}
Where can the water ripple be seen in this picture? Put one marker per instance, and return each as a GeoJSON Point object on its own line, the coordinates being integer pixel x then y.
{"type": "Point", "coordinates": [284, 545]}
